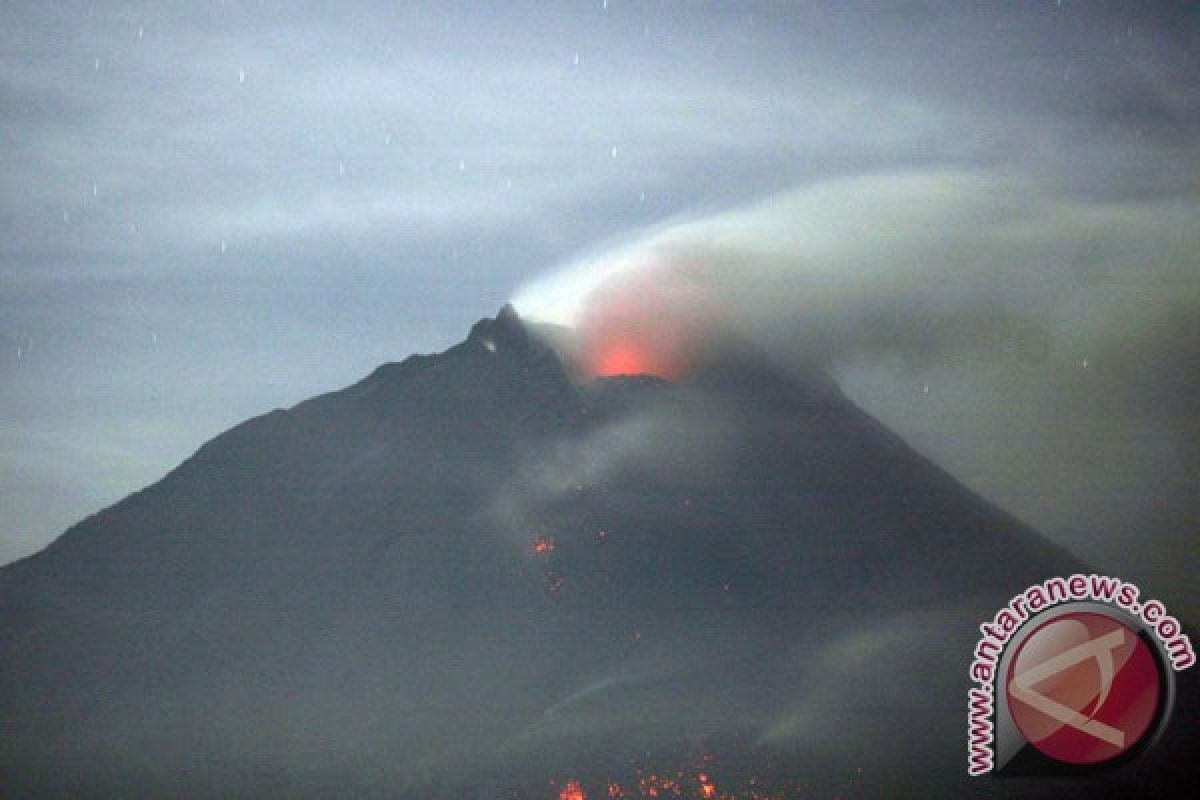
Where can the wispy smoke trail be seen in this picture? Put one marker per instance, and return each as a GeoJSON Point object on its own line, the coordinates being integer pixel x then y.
{"type": "Point", "coordinates": [995, 319]}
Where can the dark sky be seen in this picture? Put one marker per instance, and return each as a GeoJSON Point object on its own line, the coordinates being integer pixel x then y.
{"type": "Point", "coordinates": [982, 218]}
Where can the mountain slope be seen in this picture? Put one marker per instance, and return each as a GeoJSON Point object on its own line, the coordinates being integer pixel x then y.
{"type": "Point", "coordinates": [468, 575]}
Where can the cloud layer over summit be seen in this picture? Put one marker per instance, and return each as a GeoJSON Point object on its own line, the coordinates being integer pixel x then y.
{"type": "Point", "coordinates": [209, 211]}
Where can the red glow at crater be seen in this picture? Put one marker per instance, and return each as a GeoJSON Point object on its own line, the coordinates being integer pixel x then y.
{"type": "Point", "coordinates": [649, 323]}
{"type": "Point", "coordinates": [627, 358]}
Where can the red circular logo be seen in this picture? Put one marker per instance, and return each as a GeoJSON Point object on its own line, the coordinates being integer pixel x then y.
{"type": "Point", "coordinates": [1083, 688]}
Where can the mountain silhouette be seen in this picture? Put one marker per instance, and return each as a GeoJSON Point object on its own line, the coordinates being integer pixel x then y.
{"type": "Point", "coordinates": [473, 575]}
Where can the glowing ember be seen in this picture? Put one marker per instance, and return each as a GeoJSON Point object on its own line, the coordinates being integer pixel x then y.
{"type": "Point", "coordinates": [654, 786]}
{"type": "Point", "coordinates": [695, 782]}
{"type": "Point", "coordinates": [572, 791]}
{"type": "Point", "coordinates": [544, 544]}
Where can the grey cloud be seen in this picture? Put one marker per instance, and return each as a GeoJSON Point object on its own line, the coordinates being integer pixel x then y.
{"type": "Point", "coordinates": [709, 106]}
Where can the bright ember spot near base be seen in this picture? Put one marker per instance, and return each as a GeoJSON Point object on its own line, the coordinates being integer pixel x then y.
{"type": "Point", "coordinates": [572, 791]}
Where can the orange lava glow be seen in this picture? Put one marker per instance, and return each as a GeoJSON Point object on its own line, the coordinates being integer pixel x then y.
{"type": "Point", "coordinates": [572, 791]}
{"type": "Point", "coordinates": [626, 358]}
{"type": "Point", "coordinates": [649, 323]}
{"type": "Point", "coordinates": [678, 786]}
{"type": "Point", "coordinates": [544, 544]}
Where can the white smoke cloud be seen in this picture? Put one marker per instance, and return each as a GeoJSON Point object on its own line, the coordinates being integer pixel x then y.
{"type": "Point", "coordinates": [994, 319]}
{"type": "Point", "coordinates": [916, 263]}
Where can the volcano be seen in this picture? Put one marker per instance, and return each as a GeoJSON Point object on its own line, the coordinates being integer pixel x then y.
{"type": "Point", "coordinates": [469, 575]}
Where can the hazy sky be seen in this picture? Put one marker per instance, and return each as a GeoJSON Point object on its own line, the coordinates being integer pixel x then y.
{"type": "Point", "coordinates": [213, 209]}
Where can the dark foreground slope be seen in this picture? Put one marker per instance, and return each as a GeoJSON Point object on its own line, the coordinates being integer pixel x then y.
{"type": "Point", "coordinates": [466, 576]}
